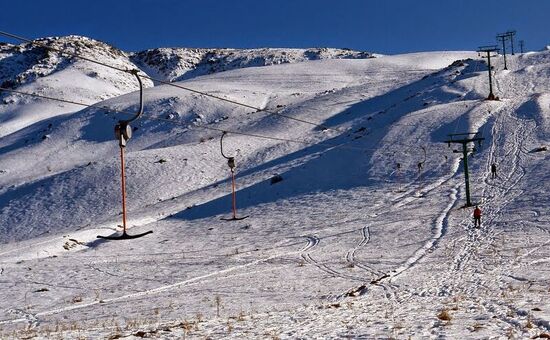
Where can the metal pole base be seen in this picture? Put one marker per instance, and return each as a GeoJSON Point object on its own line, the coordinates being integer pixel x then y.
{"type": "Point", "coordinates": [492, 97]}
{"type": "Point", "coordinates": [234, 218]}
{"type": "Point", "coordinates": [124, 236]}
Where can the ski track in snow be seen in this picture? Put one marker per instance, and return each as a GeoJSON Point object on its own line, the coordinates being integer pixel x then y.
{"type": "Point", "coordinates": [306, 256]}
{"type": "Point", "coordinates": [350, 255]}
{"type": "Point", "coordinates": [312, 242]}
{"type": "Point", "coordinates": [461, 271]}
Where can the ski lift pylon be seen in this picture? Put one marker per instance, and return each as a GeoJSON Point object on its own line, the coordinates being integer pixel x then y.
{"type": "Point", "coordinates": [231, 164]}
{"type": "Point", "coordinates": [421, 164]}
{"type": "Point", "coordinates": [123, 132]}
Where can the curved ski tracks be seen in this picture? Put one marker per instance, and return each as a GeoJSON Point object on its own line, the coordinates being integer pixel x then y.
{"type": "Point", "coordinates": [350, 255]}
{"type": "Point", "coordinates": [312, 242]}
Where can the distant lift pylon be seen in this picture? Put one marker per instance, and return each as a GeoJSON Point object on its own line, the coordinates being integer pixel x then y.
{"type": "Point", "coordinates": [123, 132]}
{"type": "Point", "coordinates": [231, 164]}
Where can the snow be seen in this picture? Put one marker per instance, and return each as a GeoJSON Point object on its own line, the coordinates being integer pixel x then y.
{"type": "Point", "coordinates": [172, 64]}
{"type": "Point", "coordinates": [37, 70]}
{"type": "Point", "coordinates": [346, 245]}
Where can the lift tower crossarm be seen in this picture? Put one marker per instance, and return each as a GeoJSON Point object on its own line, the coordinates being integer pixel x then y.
{"type": "Point", "coordinates": [464, 139]}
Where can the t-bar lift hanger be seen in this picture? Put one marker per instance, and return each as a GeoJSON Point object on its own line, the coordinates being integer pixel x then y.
{"type": "Point", "coordinates": [231, 164]}
{"type": "Point", "coordinates": [123, 132]}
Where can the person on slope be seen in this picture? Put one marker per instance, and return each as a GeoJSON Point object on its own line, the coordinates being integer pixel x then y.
{"type": "Point", "coordinates": [477, 217]}
{"type": "Point", "coordinates": [493, 171]}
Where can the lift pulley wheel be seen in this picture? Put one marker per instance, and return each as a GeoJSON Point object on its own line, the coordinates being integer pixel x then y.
{"type": "Point", "coordinates": [231, 163]}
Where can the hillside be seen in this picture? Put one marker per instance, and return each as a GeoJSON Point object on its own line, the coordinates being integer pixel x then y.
{"type": "Point", "coordinates": [344, 244]}
{"type": "Point", "coordinates": [173, 64]}
{"type": "Point", "coordinates": [34, 68]}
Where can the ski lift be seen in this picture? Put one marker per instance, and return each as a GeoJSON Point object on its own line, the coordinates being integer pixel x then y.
{"type": "Point", "coordinates": [123, 132]}
{"type": "Point", "coordinates": [231, 164]}
{"type": "Point", "coordinates": [421, 164]}
{"type": "Point", "coordinates": [397, 170]}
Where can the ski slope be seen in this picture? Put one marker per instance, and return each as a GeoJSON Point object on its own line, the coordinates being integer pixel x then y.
{"type": "Point", "coordinates": [346, 245]}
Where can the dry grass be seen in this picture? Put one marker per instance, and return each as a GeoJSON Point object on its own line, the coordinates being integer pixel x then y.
{"type": "Point", "coordinates": [218, 301]}
{"type": "Point", "coordinates": [241, 316]}
{"type": "Point", "coordinates": [444, 315]}
{"type": "Point", "coordinates": [229, 327]}
{"type": "Point", "coordinates": [529, 323]}
{"type": "Point", "coordinates": [76, 299]}
{"type": "Point", "coordinates": [476, 327]}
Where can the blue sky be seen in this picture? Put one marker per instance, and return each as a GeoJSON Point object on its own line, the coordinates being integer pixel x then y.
{"type": "Point", "coordinates": [383, 26]}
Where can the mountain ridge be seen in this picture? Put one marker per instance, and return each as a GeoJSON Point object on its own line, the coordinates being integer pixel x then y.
{"type": "Point", "coordinates": [23, 63]}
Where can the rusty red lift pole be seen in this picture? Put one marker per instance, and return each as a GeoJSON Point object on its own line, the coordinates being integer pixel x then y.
{"type": "Point", "coordinates": [234, 194]}
{"type": "Point", "coordinates": [123, 132]}
{"type": "Point", "coordinates": [123, 189]}
{"type": "Point", "coordinates": [231, 164]}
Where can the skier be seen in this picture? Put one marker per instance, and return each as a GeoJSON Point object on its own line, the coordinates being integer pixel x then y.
{"type": "Point", "coordinates": [477, 217]}
{"type": "Point", "coordinates": [493, 171]}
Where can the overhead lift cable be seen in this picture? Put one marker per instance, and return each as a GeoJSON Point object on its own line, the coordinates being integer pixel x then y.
{"type": "Point", "coordinates": [166, 120]}
{"type": "Point", "coordinates": [206, 94]}
{"type": "Point", "coordinates": [96, 105]}
{"type": "Point", "coordinates": [160, 81]}
{"type": "Point", "coordinates": [190, 90]}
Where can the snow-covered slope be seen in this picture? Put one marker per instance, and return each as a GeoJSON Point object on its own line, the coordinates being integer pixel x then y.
{"type": "Point", "coordinates": [172, 64]}
{"type": "Point", "coordinates": [35, 69]}
{"type": "Point", "coordinates": [296, 90]}
{"type": "Point", "coordinates": [345, 244]}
